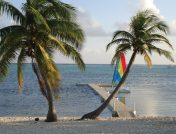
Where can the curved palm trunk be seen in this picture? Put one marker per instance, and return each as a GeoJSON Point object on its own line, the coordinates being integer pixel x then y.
{"type": "Point", "coordinates": [99, 110]}
{"type": "Point", "coordinates": [46, 91]}
{"type": "Point", "coordinates": [52, 115]}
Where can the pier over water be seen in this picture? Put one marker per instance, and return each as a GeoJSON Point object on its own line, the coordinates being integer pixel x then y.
{"type": "Point", "coordinates": [115, 105]}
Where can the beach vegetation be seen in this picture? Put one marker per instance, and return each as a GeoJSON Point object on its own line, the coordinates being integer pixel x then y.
{"type": "Point", "coordinates": [40, 28]}
{"type": "Point", "coordinates": [146, 35]}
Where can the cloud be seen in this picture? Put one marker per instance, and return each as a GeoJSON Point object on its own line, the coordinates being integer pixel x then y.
{"type": "Point", "coordinates": [172, 27]}
{"type": "Point", "coordinates": [149, 4]}
{"type": "Point", "coordinates": [122, 25]}
{"type": "Point", "coordinates": [139, 5]}
{"type": "Point", "coordinates": [91, 26]}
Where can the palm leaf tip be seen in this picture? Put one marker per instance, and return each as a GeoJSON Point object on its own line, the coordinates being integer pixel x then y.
{"type": "Point", "coordinates": [108, 46]}
{"type": "Point", "coordinates": [170, 57]}
{"type": "Point", "coordinates": [148, 61]}
{"type": "Point", "coordinates": [20, 77]}
{"type": "Point", "coordinates": [20, 82]}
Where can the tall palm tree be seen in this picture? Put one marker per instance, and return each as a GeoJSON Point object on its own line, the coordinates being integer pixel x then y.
{"type": "Point", "coordinates": [146, 30]}
{"type": "Point", "coordinates": [42, 27]}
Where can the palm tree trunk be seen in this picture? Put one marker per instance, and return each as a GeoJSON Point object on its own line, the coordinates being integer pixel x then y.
{"type": "Point", "coordinates": [52, 115]}
{"type": "Point", "coordinates": [46, 91]}
{"type": "Point", "coordinates": [40, 81]}
{"type": "Point", "coordinates": [94, 114]}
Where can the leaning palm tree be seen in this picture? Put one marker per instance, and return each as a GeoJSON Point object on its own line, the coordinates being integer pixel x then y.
{"type": "Point", "coordinates": [146, 30]}
{"type": "Point", "coordinates": [42, 27]}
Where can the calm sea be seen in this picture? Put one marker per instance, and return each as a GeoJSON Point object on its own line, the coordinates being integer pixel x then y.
{"type": "Point", "coordinates": [152, 90]}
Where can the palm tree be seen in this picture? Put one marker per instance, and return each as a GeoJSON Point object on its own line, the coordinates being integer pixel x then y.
{"type": "Point", "coordinates": [146, 30]}
{"type": "Point", "coordinates": [42, 27]}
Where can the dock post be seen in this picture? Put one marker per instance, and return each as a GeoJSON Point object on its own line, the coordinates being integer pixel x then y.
{"type": "Point", "coordinates": [114, 111]}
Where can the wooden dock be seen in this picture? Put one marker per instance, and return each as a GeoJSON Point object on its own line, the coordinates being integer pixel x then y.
{"type": "Point", "coordinates": [115, 105]}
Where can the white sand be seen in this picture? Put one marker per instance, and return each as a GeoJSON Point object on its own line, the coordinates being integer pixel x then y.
{"type": "Point", "coordinates": [139, 125]}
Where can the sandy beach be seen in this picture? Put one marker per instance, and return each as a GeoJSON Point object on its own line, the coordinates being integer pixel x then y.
{"type": "Point", "coordinates": [65, 125]}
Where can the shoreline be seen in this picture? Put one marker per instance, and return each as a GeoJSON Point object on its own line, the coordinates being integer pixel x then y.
{"type": "Point", "coordinates": [13, 119]}
{"type": "Point", "coordinates": [70, 125]}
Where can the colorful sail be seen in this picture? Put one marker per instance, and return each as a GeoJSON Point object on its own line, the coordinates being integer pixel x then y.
{"type": "Point", "coordinates": [119, 69]}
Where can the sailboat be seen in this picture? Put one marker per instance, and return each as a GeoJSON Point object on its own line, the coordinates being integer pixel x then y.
{"type": "Point", "coordinates": [119, 70]}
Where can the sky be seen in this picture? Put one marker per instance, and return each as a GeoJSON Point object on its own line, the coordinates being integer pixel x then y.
{"type": "Point", "coordinates": [100, 18]}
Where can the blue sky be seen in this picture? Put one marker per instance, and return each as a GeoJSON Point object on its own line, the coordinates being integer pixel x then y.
{"type": "Point", "coordinates": [100, 18]}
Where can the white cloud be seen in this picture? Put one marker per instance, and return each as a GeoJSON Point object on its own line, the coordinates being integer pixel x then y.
{"type": "Point", "coordinates": [172, 26]}
{"type": "Point", "coordinates": [139, 5]}
{"type": "Point", "coordinates": [148, 4]}
{"type": "Point", "coordinates": [91, 26]}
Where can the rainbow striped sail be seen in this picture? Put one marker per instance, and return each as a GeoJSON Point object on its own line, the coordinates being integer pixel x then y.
{"type": "Point", "coordinates": [119, 69]}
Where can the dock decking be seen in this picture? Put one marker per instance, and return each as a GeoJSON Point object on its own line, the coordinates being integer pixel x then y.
{"type": "Point", "coordinates": [114, 105]}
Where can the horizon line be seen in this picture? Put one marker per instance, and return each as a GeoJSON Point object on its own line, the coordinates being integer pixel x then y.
{"type": "Point", "coordinates": [101, 64]}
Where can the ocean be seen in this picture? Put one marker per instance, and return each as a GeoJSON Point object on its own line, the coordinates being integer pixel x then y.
{"type": "Point", "coordinates": [152, 90]}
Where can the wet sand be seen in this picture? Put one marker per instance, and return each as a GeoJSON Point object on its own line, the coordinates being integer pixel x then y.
{"type": "Point", "coordinates": [65, 125]}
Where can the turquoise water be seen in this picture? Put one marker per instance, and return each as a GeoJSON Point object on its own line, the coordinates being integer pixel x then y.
{"type": "Point", "coordinates": [152, 90]}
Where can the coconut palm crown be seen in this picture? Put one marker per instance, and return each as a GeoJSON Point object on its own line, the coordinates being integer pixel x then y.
{"type": "Point", "coordinates": [145, 36]}
{"type": "Point", "coordinates": [41, 27]}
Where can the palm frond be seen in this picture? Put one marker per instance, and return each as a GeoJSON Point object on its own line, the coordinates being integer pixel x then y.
{"type": "Point", "coordinates": [47, 67]}
{"type": "Point", "coordinates": [10, 10]}
{"type": "Point", "coordinates": [13, 39]}
{"type": "Point", "coordinates": [67, 31]}
{"type": "Point", "coordinates": [159, 26]}
{"type": "Point", "coordinates": [6, 58]}
{"type": "Point", "coordinates": [148, 60]}
{"type": "Point", "coordinates": [20, 61]}
{"type": "Point", "coordinates": [160, 51]}
{"type": "Point", "coordinates": [123, 34]}
{"type": "Point", "coordinates": [4, 31]}
{"type": "Point", "coordinates": [58, 9]}
{"type": "Point", "coordinates": [121, 48]}
{"type": "Point", "coordinates": [115, 57]}
{"type": "Point", "coordinates": [159, 38]}
{"type": "Point", "coordinates": [124, 47]}
{"type": "Point", "coordinates": [38, 18]}
{"type": "Point", "coordinates": [58, 44]}
{"type": "Point", "coordinates": [75, 55]}
{"type": "Point", "coordinates": [117, 42]}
